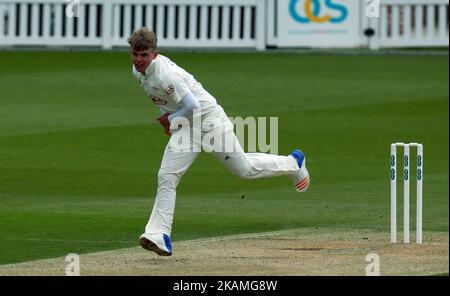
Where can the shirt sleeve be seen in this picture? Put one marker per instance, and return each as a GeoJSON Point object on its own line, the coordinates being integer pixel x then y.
{"type": "Point", "coordinates": [174, 86]}
{"type": "Point", "coordinates": [189, 103]}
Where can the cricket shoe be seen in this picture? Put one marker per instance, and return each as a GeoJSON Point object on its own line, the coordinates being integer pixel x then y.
{"type": "Point", "coordinates": [301, 178]}
{"type": "Point", "coordinates": [158, 243]}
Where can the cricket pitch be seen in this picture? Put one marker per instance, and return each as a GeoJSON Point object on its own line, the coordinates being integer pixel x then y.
{"type": "Point", "coordinates": [312, 251]}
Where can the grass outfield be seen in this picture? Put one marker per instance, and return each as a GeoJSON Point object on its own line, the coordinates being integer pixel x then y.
{"type": "Point", "coordinates": [80, 147]}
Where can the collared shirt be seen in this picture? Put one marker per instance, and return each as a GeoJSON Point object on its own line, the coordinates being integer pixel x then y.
{"type": "Point", "coordinates": [166, 84]}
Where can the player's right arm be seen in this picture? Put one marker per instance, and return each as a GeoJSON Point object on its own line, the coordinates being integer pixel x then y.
{"type": "Point", "coordinates": [189, 103]}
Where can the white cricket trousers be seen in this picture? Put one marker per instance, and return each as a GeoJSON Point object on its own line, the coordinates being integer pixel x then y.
{"type": "Point", "coordinates": [245, 165]}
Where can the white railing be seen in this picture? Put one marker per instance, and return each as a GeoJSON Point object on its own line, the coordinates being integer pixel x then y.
{"type": "Point", "coordinates": [44, 22]}
{"type": "Point", "coordinates": [206, 23]}
{"type": "Point", "coordinates": [411, 23]}
{"type": "Point", "coordinates": [193, 23]}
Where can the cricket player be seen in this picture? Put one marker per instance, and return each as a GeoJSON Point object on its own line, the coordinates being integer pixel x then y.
{"type": "Point", "coordinates": [179, 97]}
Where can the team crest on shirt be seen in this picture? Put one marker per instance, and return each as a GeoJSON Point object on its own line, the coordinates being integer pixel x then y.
{"type": "Point", "coordinates": [157, 101]}
{"type": "Point", "coordinates": [170, 89]}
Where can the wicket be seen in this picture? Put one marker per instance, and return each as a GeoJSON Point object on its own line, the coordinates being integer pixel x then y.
{"type": "Point", "coordinates": [393, 176]}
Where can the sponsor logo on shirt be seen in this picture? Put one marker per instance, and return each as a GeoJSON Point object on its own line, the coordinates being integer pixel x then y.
{"type": "Point", "coordinates": [157, 101]}
{"type": "Point", "coordinates": [170, 89]}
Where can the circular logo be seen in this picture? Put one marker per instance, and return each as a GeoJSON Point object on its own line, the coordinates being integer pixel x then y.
{"type": "Point", "coordinates": [170, 89]}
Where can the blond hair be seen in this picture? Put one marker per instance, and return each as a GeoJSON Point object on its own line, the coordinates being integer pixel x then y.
{"type": "Point", "coordinates": [143, 39]}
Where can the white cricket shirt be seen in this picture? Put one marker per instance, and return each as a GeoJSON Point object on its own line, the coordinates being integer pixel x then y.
{"type": "Point", "coordinates": [166, 84]}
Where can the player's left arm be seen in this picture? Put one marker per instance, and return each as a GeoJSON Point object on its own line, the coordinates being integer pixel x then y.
{"type": "Point", "coordinates": [178, 92]}
{"type": "Point", "coordinates": [189, 102]}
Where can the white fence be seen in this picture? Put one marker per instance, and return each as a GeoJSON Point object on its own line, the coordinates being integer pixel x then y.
{"type": "Point", "coordinates": [193, 23]}
{"type": "Point", "coordinates": [411, 23]}
{"type": "Point", "coordinates": [204, 23]}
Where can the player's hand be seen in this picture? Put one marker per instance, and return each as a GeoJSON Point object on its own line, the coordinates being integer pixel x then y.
{"type": "Point", "coordinates": [164, 121]}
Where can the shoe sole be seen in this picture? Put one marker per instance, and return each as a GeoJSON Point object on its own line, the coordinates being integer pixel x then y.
{"type": "Point", "coordinates": [307, 176]}
{"type": "Point", "coordinates": [151, 246]}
